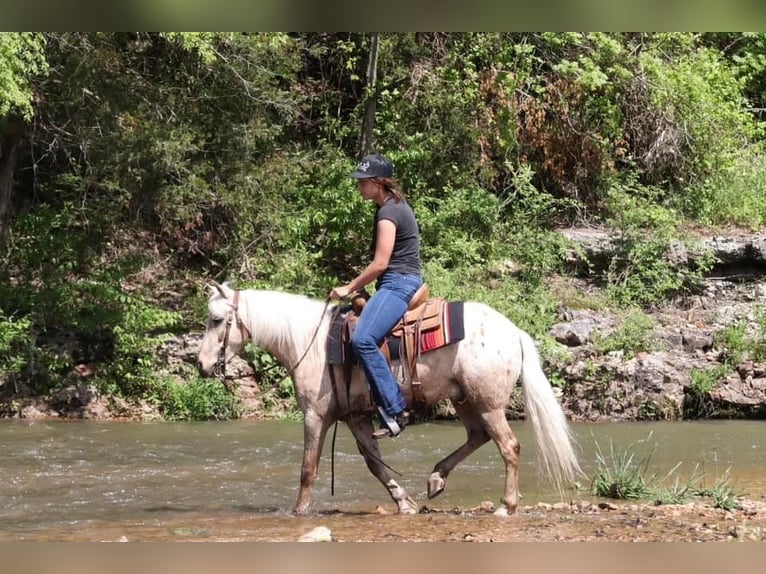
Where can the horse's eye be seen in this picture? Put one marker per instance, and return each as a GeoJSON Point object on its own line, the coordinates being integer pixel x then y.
{"type": "Point", "coordinates": [217, 321]}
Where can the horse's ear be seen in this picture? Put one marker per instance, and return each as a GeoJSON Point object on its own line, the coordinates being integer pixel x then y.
{"type": "Point", "coordinates": [223, 290]}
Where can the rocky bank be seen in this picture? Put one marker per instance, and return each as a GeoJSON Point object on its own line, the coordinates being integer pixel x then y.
{"type": "Point", "coordinates": [680, 368]}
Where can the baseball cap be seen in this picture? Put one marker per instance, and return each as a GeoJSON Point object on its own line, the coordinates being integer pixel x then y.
{"type": "Point", "coordinates": [373, 165]}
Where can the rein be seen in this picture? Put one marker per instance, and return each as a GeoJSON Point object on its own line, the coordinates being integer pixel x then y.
{"type": "Point", "coordinates": [247, 335]}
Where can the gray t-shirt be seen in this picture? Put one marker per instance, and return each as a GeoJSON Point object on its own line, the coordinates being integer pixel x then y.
{"type": "Point", "coordinates": [405, 257]}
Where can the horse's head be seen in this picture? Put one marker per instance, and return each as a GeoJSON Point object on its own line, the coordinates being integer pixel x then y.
{"type": "Point", "coordinates": [226, 333]}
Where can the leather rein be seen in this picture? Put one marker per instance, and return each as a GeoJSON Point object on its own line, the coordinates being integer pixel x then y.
{"type": "Point", "coordinates": [247, 335]}
{"type": "Point", "coordinates": [242, 328]}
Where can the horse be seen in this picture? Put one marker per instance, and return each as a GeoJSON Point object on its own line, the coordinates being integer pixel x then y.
{"type": "Point", "coordinates": [477, 374]}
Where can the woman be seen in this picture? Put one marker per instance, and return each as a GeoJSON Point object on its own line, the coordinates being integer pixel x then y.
{"type": "Point", "coordinates": [397, 267]}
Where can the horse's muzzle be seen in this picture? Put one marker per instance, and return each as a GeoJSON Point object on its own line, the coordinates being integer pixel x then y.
{"type": "Point", "coordinates": [204, 371]}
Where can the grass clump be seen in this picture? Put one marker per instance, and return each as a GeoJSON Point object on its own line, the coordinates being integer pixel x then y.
{"type": "Point", "coordinates": [197, 400]}
{"type": "Point", "coordinates": [625, 475]}
{"type": "Point", "coordinates": [620, 475]}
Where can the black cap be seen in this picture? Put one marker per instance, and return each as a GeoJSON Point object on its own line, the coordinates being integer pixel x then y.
{"type": "Point", "coordinates": [374, 165]}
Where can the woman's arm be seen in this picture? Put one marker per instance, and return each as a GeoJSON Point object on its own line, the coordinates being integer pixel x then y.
{"type": "Point", "coordinates": [384, 247]}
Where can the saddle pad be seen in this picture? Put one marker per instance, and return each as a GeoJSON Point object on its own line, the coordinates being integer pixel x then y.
{"type": "Point", "coordinates": [334, 337]}
{"type": "Point", "coordinates": [453, 331]}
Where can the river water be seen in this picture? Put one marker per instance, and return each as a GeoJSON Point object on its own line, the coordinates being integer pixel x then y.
{"type": "Point", "coordinates": [78, 480]}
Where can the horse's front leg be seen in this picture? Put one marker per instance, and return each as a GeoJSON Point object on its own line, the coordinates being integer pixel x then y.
{"type": "Point", "coordinates": [361, 427]}
{"type": "Point", "coordinates": [314, 431]}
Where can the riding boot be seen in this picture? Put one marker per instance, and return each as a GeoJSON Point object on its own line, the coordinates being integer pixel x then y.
{"type": "Point", "coordinates": [392, 426]}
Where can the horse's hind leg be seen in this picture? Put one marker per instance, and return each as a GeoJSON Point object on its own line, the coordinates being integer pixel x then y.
{"type": "Point", "coordinates": [361, 426]}
{"type": "Point", "coordinates": [509, 447]}
{"type": "Point", "coordinates": [476, 437]}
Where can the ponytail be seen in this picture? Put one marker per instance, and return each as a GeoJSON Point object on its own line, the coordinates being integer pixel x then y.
{"type": "Point", "coordinates": [392, 187]}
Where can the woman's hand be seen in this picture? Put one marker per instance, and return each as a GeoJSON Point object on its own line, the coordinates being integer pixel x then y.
{"type": "Point", "coordinates": [340, 293]}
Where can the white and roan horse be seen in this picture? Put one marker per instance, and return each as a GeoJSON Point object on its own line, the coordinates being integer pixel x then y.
{"type": "Point", "coordinates": [477, 374]}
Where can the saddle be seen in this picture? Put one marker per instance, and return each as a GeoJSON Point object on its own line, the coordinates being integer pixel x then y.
{"type": "Point", "coordinates": [424, 314]}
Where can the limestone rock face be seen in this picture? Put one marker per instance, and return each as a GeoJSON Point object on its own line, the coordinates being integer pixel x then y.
{"type": "Point", "coordinates": [683, 371]}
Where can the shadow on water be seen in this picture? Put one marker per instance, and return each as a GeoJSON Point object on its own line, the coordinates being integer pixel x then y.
{"type": "Point", "coordinates": [63, 480]}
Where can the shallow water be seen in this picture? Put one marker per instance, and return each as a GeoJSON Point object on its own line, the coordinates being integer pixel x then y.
{"type": "Point", "coordinates": [79, 480]}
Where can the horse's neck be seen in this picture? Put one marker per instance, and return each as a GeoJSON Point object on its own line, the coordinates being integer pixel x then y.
{"type": "Point", "coordinates": [283, 324]}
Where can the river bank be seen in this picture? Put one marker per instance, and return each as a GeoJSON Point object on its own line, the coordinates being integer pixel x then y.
{"type": "Point", "coordinates": [579, 521]}
{"type": "Point", "coordinates": [678, 360]}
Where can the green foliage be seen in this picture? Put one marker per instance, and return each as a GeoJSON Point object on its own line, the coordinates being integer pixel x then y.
{"type": "Point", "coordinates": [21, 57]}
{"type": "Point", "coordinates": [724, 494]}
{"type": "Point", "coordinates": [704, 380]}
{"type": "Point", "coordinates": [625, 475]}
{"type": "Point", "coordinates": [458, 230]}
{"type": "Point", "coordinates": [642, 272]}
{"type": "Point", "coordinates": [65, 294]}
{"type": "Point", "coordinates": [738, 342]}
{"type": "Point", "coordinates": [15, 343]}
{"type": "Point", "coordinates": [735, 193]}
{"type": "Point", "coordinates": [735, 342]}
{"type": "Point", "coordinates": [710, 122]}
{"type": "Point", "coordinates": [196, 400]}
{"type": "Point", "coordinates": [746, 54]}
{"type": "Point", "coordinates": [620, 474]}
{"type": "Point", "coordinates": [632, 336]}
{"type": "Point", "coordinates": [139, 334]}
{"type": "Point", "coordinates": [160, 160]}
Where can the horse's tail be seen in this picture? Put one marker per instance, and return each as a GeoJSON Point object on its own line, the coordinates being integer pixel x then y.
{"type": "Point", "coordinates": [549, 424]}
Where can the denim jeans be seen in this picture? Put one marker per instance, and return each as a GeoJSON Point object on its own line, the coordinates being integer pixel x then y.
{"type": "Point", "coordinates": [384, 309]}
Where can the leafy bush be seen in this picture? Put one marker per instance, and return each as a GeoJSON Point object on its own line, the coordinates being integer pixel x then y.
{"type": "Point", "coordinates": [700, 95]}
{"type": "Point", "coordinates": [141, 331]}
{"type": "Point", "coordinates": [641, 272]}
{"type": "Point", "coordinates": [458, 230]}
{"type": "Point", "coordinates": [736, 193]}
{"type": "Point", "coordinates": [15, 343]}
{"type": "Point", "coordinates": [195, 400]}
{"type": "Point", "coordinates": [632, 336]}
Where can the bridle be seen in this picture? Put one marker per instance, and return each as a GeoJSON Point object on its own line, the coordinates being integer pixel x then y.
{"type": "Point", "coordinates": [245, 332]}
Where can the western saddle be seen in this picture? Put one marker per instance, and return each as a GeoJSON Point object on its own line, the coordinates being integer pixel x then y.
{"type": "Point", "coordinates": [423, 314]}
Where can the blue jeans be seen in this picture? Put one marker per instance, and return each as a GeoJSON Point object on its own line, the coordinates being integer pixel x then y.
{"type": "Point", "coordinates": [384, 309]}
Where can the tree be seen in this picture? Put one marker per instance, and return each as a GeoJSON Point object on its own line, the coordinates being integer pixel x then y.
{"type": "Point", "coordinates": [371, 96]}
{"type": "Point", "coordinates": [21, 57]}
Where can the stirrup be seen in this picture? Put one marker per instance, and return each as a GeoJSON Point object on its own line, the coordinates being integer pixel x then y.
{"type": "Point", "coordinates": [391, 426]}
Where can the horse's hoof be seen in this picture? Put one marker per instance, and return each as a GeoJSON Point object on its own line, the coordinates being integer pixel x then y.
{"type": "Point", "coordinates": [408, 507]}
{"type": "Point", "coordinates": [300, 511]}
{"type": "Point", "coordinates": [436, 485]}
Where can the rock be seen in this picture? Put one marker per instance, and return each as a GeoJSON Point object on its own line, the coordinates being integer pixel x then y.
{"type": "Point", "coordinates": [319, 534]}
{"type": "Point", "coordinates": [573, 333]}
{"type": "Point", "coordinates": [693, 340]}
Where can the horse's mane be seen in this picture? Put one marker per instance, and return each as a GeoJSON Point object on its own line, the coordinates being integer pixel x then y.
{"type": "Point", "coordinates": [283, 319]}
